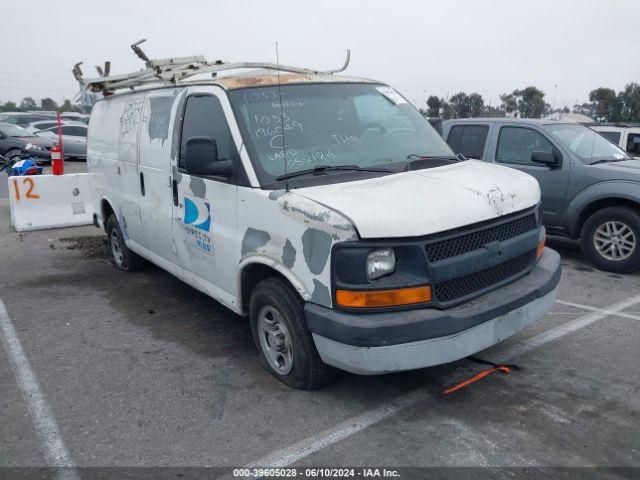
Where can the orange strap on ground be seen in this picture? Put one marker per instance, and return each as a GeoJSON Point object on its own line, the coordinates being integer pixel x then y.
{"type": "Point", "coordinates": [485, 373]}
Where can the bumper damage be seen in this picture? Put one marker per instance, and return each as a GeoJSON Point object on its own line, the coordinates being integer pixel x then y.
{"type": "Point", "coordinates": [370, 344]}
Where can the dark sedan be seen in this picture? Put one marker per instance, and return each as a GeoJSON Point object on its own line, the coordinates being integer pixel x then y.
{"type": "Point", "coordinates": [16, 141]}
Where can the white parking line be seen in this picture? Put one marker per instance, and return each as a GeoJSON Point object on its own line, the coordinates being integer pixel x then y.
{"type": "Point", "coordinates": [564, 329]}
{"type": "Point", "coordinates": [293, 453]}
{"type": "Point", "coordinates": [55, 450]}
{"type": "Point", "coordinates": [594, 309]}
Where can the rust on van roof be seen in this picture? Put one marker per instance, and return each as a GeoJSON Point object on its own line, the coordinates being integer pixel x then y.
{"type": "Point", "coordinates": [232, 82]}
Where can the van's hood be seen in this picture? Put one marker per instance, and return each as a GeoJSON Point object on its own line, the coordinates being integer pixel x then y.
{"type": "Point", "coordinates": [428, 201]}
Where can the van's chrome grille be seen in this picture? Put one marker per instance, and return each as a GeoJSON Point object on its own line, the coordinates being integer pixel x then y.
{"type": "Point", "coordinates": [450, 290]}
{"type": "Point", "coordinates": [468, 242]}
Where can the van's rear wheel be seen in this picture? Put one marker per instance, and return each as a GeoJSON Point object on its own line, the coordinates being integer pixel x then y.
{"type": "Point", "coordinates": [281, 335]}
{"type": "Point", "coordinates": [121, 256]}
{"type": "Point", "coordinates": [611, 239]}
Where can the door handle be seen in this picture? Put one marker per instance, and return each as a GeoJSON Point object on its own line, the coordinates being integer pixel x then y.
{"type": "Point", "coordinates": [142, 184]}
{"type": "Point", "coordinates": [174, 190]}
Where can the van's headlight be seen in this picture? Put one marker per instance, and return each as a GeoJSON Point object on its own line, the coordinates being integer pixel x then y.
{"type": "Point", "coordinates": [380, 263]}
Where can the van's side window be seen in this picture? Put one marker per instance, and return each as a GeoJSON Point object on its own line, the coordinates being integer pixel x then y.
{"type": "Point", "coordinates": [515, 145]}
{"type": "Point", "coordinates": [204, 116]}
{"type": "Point", "coordinates": [468, 140]}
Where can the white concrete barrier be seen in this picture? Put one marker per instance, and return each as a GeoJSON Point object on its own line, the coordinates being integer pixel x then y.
{"type": "Point", "coordinates": [52, 201]}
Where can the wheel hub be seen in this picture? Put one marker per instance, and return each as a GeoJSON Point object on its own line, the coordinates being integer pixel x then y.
{"type": "Point", "coordinates": [275, 340]}
{"type": "Point", "coordinates": [615, 240]}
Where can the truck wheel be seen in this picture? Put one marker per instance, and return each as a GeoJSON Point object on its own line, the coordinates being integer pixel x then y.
{"type": "Point", "coordinates": [610, 239]}
{"type": "Point", "coordinates": [121, 256]}
{"type": "Point", "coordinates": [281, 335]}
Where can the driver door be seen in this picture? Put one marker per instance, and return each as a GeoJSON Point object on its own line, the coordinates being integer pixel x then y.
{"type": "Point", "coordinates": [204, 207]}
{"type": "Point", "coordinates": [514, 148]}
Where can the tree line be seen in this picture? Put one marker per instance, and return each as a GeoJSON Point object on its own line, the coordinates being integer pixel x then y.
{"type": "Point", "coordinates": [29, 104]}
{"type": "Point", "coordinates": [605, 105]}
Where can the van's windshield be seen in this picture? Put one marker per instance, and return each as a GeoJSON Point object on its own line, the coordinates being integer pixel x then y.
{"type": "Point", "coordinates": [299, 127]}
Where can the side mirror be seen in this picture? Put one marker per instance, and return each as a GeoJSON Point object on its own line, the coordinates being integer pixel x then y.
{"type": "Point", "coordinates": [545, 158]}
{"type": "Point", "coordinates": [202, 158]}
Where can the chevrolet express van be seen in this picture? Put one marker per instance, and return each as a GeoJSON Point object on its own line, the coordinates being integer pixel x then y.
{"type": "Point", "coordinates": [327, 210]}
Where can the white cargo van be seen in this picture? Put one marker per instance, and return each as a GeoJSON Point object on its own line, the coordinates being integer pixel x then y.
{"type": "Point", "coordinates": [327, 210]}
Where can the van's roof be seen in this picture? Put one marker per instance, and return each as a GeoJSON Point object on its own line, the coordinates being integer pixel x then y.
{"type": "Point", "coordinates": [255, 78]}
{"type": "Point", "coordinates": [268, 78]}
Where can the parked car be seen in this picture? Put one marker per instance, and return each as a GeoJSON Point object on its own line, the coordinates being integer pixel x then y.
{"type": "Point", "coordinates": [15, 141]}
{"type": "Point", "coordinates": [76, 117]}
{"type": "Point", "coordinates": [40, 125]}
{"type": "Point", "coordinates": [625, 135]}
{"type": "Point", "coordinates": [327, 210]}
{"type": "Point", "coordinates": [74, 139]}
{"type": "Point", "coordinates": [24, 119]}
{"type": "Point", "coordinates": [590, 187]}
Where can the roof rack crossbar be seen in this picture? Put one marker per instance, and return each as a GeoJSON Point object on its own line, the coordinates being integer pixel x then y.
{"type": "Point", "coordinates": [173, 70]}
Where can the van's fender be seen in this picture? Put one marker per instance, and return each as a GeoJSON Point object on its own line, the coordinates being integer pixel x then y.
{"type": "Point", "coordinates": [292, 235]}
{"type": "Point", "coordinates": [611, 189]}
{"type": "Point", "coordinates": [277, 266]}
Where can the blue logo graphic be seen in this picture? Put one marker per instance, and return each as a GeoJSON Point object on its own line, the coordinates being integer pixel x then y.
{"type": "Point", "coordinates": [197, 213]}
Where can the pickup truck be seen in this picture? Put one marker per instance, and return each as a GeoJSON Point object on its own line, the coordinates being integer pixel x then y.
{"type": "Point", "coordinates": [590, 187]}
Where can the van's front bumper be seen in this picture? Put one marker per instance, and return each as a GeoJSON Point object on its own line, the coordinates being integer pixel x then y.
{"type": "Point", "coordinates": [370, 344]}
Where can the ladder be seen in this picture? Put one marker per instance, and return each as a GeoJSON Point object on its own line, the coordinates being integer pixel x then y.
{"type": "Point", "coordinates": [171, 71]}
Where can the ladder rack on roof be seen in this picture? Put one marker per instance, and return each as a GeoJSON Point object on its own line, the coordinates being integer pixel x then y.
{"type": "Point", "coordinates": [170, 71]}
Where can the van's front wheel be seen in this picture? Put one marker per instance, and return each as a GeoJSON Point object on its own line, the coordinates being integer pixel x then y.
{"type": "Point", "coordinates": [121, 256]}
{"type": "Point", "coordinates": [281, 335]}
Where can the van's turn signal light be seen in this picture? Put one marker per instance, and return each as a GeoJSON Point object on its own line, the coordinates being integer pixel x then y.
{"type": "Point", "coordinates": [383, 298]}
{"type": "Point", "coordinates": [540, 248]}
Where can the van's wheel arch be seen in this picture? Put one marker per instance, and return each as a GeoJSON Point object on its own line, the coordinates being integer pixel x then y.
{"type": "Point", "coordinates": [121, 257]}
{"type": "Point", "coordinates": [284, 342]}
{"type": "Point", "coordinates": [610, 239]}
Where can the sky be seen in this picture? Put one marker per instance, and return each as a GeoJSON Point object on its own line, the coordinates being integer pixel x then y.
{"type": "Point", "coordinates": [421, 47]}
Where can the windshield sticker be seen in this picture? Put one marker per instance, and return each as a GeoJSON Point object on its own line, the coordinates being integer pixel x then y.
{"type": "Point", "coordinates": [197, 223]}
{"type": "Point", "coordinates": [391, 94]}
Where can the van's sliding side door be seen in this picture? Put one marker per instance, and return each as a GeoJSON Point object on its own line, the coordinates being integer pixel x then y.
{"type": "Point", "coordinates": [154, 176]}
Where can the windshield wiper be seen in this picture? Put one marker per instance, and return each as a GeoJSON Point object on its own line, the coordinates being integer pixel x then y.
{"type": "Point", "coordinates": [324, 169]}
{"type": "Point", "coordinates": [415, 156]}
{"type": "Point", "coordinates": [609, 160]}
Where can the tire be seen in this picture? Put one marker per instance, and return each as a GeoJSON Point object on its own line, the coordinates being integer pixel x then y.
{"type": "Point", "coordinates": [611, 239]}
{"type": "Point", "coordinates": [11, 154]}
{"type": "Point", "coordinates": [286, 347]}
{"type": "Point", "coordinates": [121, 256]}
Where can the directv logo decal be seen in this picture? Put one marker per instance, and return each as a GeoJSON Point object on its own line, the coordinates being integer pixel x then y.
{"type": "Point", "coordinates": [197, 213]}
{"type": "Point", "coordinates": [197, 224]}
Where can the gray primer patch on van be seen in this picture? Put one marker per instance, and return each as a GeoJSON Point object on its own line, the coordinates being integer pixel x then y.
{"type": "Point", "coordinates": [253, 240]}
{"type": "Point", "coordinates": [198, 187]}
{"type": "Point", "coordinates": [158, 127]}
{"type": "Point", "coordinates": [177, 125]}
{"type": "Point", "coordinates": [315, 247]}
{"type": "Point", "coordinates": [320, 293]}
{"type": "Point", "coordinates": [288, 254]}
